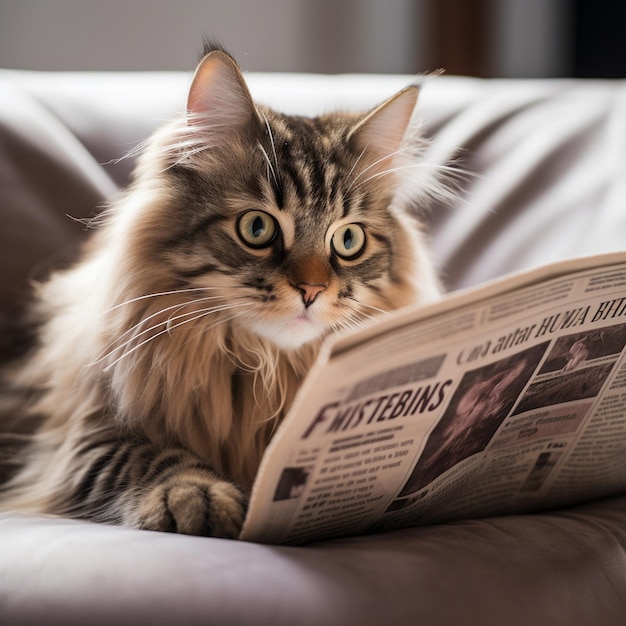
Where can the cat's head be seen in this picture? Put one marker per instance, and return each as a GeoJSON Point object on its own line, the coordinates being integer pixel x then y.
{"type": "Point", "coordinates": [288, 227]}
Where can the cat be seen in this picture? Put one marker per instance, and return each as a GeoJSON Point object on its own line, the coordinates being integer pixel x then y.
{"type": "Point", "coordinates": [168, 354]}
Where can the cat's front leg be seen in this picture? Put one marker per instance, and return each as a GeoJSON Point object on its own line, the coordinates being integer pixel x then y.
{"type": "Point", "coordinates": [190, 500]}
{"type": "Point", "coordinates": [170, 490]}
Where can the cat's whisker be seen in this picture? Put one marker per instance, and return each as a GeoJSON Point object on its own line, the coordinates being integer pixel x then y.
{"type": "Point", "coordinates": [348, 324]}
{"type": "Point", "coordinates": [223, 320]}
{"type": "Point", "coordinates": [205, 313]}
{"type": "Point", "coordinates": [352, 321]}
{"type": "Point", "coordinates": [173, 316]}
{"type": "Point", "coordinates": [166, 293]}
{"type": "Point", "coordinates": [169, 322]}
{"type": "Point", "coordinates": [356, 162]}
{"type": "Point", "coordinates": [372, 307]}
{"type": "Point", "coordinates": [391, 155]}
{"type": "Point", "coordinates": [201, 314]}
{"type": "Point", "coordinates": [185, 153]}
{"type": "Point", "coordinates": [111, 349]}
{"type": "Point", "coordinates": [436, 169]}
{"type": "Point", "coordinates": [136, 326]}
{"type": "Point", "coordinates": [273, 144]}
{"type": "Point", "coordinates": [181, 306]}
{"type": "Point", "coordinates": [359, 318]}
{"type": "Point", "coordinates": [387, 172]}
{"type": "Point", "coordinates": [271, 136]}
{"type": "Point", "coordinates": [269, 165]}
{"type": "Point", "coordinates": [363, 318]}
{"type": "Point", "coordinates": [156, 295]}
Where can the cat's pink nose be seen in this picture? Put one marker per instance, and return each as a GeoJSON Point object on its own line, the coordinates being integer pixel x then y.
{"type": "Point", "coordinates": [310, 292]}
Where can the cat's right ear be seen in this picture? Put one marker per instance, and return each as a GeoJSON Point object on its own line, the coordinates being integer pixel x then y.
{"type": "Point", "coordinates": [382, 131]}
{"type": "Point", "coordinates": [218, 98]}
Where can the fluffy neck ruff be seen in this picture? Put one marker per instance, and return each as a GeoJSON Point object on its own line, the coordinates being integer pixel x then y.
{"type": "Point", "coordinates": [217, 390]}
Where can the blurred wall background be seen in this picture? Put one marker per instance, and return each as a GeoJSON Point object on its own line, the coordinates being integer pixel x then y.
{"type": "Point", "coordinates": [508, 38]}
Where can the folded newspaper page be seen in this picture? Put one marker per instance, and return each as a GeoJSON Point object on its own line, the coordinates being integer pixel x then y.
{"type": "Point", "coordinates": [503, 399]}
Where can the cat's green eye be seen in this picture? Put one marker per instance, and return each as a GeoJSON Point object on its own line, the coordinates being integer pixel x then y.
{"type": "Point", "coordinates": [257, 229]}
{"type": "Point", "coordinates": [348, 241]}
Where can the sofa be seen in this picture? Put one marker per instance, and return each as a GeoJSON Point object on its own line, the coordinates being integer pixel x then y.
{"type": "Point", "coordinates": [543, 178]}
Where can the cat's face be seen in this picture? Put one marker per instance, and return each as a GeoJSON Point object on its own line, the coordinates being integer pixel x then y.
{"type": "Point", "coordinates": [297, 255]}
{"type": "Point", "coordinates": [284, 225]}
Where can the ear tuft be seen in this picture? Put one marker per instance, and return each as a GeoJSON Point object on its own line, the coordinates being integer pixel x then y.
{"type": "Point", "coordinates": [383, 129]}
{"type": "Point", "coordinates": [209, 45]}
{"type": "Point", "coordinates": [218, 96]}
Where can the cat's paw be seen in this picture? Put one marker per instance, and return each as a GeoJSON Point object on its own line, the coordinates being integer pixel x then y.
{"type": "Point", "coordinates": [196, 504]}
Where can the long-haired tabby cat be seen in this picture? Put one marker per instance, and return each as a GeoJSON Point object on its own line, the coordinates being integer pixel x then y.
{"type": "Point", "coordinates": [167, 356]}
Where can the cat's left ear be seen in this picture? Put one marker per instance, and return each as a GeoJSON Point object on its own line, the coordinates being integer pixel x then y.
{"type": "Point", "coordinates": [219, 98]}
{"type": "Point", "coordinates": [381, 131]}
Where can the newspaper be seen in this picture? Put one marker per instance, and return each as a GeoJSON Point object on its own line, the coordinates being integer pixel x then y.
{"type": "Point", "coordinates": [503, 399]}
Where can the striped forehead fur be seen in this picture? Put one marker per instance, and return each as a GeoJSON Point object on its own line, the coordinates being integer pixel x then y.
{"type": "Point", "coordinates": [319, 143]}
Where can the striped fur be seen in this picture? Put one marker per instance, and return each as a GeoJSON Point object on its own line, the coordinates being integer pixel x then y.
{"type": "Point", "coordinates": [168, 355]}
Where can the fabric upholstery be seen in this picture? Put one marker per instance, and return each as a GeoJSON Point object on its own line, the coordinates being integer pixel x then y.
{"type": "Point", "coordinates": [545, 165]}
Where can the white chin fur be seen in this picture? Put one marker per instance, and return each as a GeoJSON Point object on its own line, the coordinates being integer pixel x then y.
{"type": "Point", "coordinates": [288, 334]}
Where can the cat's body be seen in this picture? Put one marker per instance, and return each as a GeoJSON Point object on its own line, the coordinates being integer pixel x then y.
{"type": "Point", "coordinates": [167, 357]}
